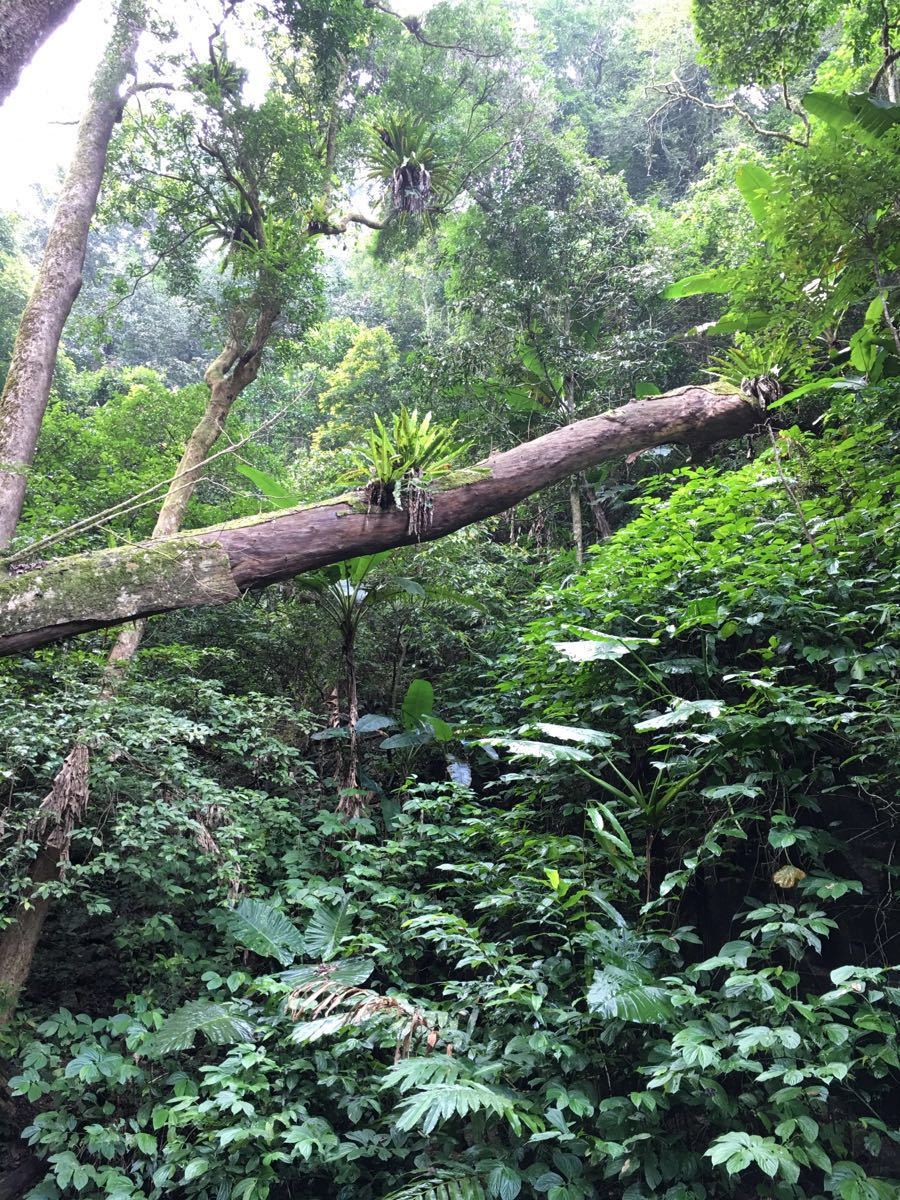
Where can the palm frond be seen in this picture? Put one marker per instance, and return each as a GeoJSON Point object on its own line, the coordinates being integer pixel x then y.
{"type": "Point", "coordinates": [332, 1005]}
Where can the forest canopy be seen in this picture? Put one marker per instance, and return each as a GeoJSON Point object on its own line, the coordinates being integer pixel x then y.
{"type": "Point", "coordinates": [449, 604]}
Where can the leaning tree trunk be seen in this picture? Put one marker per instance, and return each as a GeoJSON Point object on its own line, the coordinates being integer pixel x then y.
{"type": "Point", "coordinates": [31, 367]}
{"type": "Point", "coordinates": [212, 566]}
{"type": "Point", "coordinates": [24, 26]}
{"type": "Point", "coordinates": [227, 376]}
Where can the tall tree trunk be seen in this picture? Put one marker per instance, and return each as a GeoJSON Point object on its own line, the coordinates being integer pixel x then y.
{"type": "Point", "coordinates": [24, 26]}
{"type": "Point", "coordinates": [574, 490]}
{"type": "Point", "coordinates": [31, 367]}
{"type": "Point", "coordinates": [577, 521]}
{"type": "Point", "coordinates": [226, 377]}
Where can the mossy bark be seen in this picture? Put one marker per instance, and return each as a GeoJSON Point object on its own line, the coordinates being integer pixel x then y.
{"type": "Point", "coordinates": [33, 360]}
{"type": "Point", "coordinates": [24, 26]}
{"type": "Point", "coordinates": [88, 591]}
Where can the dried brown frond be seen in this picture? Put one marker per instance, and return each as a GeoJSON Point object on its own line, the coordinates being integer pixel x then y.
{"type": "Point", "coordinates": [65, 803]}
{"type": "Point", "coordinates": [323, 997]}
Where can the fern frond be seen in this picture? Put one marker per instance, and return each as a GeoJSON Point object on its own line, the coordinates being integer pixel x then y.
{"type": "Point", "coordinates": [442, 1183]}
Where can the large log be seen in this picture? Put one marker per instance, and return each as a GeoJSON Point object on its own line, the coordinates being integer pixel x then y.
{"type": "Point", "coordinates": [210, 566]}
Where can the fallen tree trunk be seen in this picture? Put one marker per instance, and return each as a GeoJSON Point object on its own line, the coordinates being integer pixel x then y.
{"type": "Point", "coordinates": [211, 566]}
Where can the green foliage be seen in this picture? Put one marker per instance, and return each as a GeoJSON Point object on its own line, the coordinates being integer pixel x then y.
{"type": "Point", "coordinates": [412, 446]}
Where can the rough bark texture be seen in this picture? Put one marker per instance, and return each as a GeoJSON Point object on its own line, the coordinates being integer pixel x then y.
{"type": "Point", "coordinates": [20, 938]}
{"type": "Point", "coordinates": [234, 369]}
{"type": "Point", "coordinates": [186, 567]}
{"type": "Point", "coordinates": [33, 360]}
{"type": "Point", "coordinates": [69, 596]}
{"type": "Point", "coordinates": [24, 26]}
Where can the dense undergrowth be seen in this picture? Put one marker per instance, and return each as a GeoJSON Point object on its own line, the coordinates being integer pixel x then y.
{"type": "Point", "coordinates": [646, 954]}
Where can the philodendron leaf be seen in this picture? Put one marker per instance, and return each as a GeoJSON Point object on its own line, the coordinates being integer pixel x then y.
{"type": "Point", "coordinates": [574, 733]}
{"type": "Point", "coordinates": [265, 931]}
{"type": "Point", "coordinates": [629, 995]}
{"type": "Point", "coordinates": [220, 1024]}
{"type": "Point", "coordinates": [602, 647]}
{"type": "Point", "coordinates": [327, 927]}
{"type": "Point", "coordinates": [679, 713]}
{"type": "Point", "coordinates": [526, 748]}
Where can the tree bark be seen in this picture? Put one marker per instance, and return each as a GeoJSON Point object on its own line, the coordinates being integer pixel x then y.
{"type": "Point", "coordinates": [27, 387]}
{"type": "Point", "coordinates": [577, 521]}
{"type": "Point", "coordinates": [210, 566]}
{"type": "Point", "coordinates": [24, 26]}
{"type": "Point", "coordinates": [227, 376]}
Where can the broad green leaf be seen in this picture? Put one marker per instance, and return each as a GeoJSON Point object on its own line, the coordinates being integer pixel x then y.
{"type": "Point", "coordinates": [629, 995]}
{"type": "Point", "coordinates": [418, 701]}
{"type": "Point", "coordinates": [697, 285]}
{"type": "Point", "coordinates": [602, 647]}
{"type": "Point", "coordinates": [265, 931]}
{"type": "Point", "coordinates": [526, 748]}
{"type": "Point", "coordinates": [348, 972]}
{"type": "Point", "coordinates": [574, 733]}
{"type": "Point", "coordinates": [679, 713]}
{"type": "Point", "coordinates": [280, 494]}
{"type": "Point", "coordinates": [327, 927]}
{"type": "Point", "coordinates": [220, 1024]}
{"type": "Point", "coordinates": [757, 186]}
{"type": "Point", "coordinates": [409, 739]}
{"type": "Point", "coordinates": [373, 723]}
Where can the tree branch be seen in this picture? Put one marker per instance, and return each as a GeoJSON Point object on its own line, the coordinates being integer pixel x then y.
{"type": "Point", "coordinates": [675, 90]}
{"type": "Point", "coordinates": [215, 565]}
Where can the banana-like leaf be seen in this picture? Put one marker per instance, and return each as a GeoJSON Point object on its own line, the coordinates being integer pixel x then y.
{"type": "Point", "coordinates": [866, 118]}
{"type": "Point", "coordinates": [759, 188]}
{"type": "Point", "coordinates": [220, 1024]}
{"type": "Point", "coordinates": [418, 701]}
{"type": "Point", "coordinates": [266, 931]}
{"type": "Point", "coordinates": [698, 285]}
